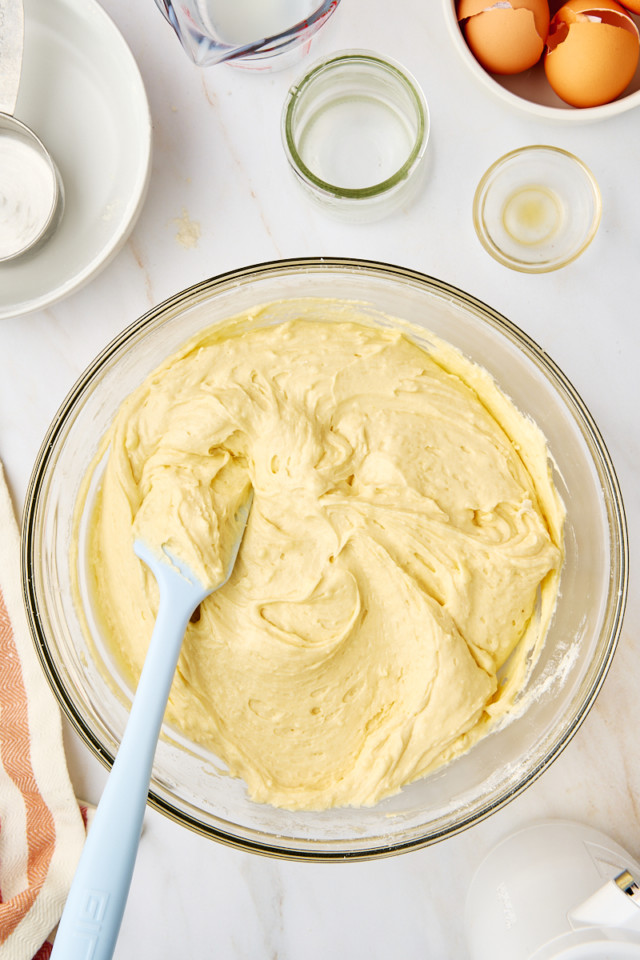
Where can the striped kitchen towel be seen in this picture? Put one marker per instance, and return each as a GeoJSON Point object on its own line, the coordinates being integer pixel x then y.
{"type": "Point", "coordinates": [41, 823]}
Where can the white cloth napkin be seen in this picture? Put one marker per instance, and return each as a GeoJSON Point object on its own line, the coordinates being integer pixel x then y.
{"type": "Point", "coordinates": [41, 823]}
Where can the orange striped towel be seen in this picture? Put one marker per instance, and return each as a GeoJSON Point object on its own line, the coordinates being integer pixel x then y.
{"type": "Point", "coordinates": [41, 825]}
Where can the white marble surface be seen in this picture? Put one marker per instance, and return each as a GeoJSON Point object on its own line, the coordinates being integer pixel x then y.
{"type": "Point", "coordinates": [218, 163]}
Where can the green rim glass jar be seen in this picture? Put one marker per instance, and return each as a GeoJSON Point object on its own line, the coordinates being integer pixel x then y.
{"type": "Point", "coordinates": [355, 130]}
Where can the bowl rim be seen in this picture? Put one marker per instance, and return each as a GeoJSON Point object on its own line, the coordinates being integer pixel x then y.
{"type": "Point", "coordinates": [372, 847]}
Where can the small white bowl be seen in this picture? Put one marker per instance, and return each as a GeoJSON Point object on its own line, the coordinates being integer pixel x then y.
{"type": "Point", "coordinates": [530, 90]}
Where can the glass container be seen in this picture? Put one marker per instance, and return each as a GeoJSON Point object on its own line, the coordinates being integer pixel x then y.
{"type": "Point", "coordinates": [355, 130]}
{"type": "Point", "coordinates": [254, 34]}
{"type": "Point", "coordinates": [189, 784]}
{"type": "Point", "coordinates": [536, 209]}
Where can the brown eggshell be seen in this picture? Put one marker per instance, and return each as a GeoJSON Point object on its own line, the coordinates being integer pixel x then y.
{"type": "Point", "coordinates": [571, 10]}
{"type": "Point", "coordinates": [633, 5]}
{"type": "Point", "coordinates": [539, 8]}
{"type": "Point", "coordinates": [505, 39]}
{"type": "Point", "coordinates": [588, 62]}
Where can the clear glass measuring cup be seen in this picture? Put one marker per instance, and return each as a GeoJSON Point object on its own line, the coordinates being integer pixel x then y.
{"type": "Point", "coordinates": [257, 34]}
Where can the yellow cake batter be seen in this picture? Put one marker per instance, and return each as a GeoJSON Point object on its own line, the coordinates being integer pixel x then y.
{"type": "Point", "coordinates": [405, 537]}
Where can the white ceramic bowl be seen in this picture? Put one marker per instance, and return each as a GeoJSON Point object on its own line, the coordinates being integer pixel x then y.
{"type": "Point", "coordinates": [187, 783]}
{"type": "Point", "coordinates": [530, 91]}
{"type": "Point", "coordinates": [82, 93]}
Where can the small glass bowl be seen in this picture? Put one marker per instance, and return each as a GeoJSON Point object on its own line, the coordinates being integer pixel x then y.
{"type": "Point", "coordinates": [536, 209]}
{"type": "Point", "coordinates": [355, 130]}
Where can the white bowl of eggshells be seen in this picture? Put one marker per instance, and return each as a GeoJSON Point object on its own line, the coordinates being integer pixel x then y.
{"type": "Point", "coordinates": [573, 62]}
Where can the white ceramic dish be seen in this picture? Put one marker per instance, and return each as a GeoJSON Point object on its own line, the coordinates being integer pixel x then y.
{"type": "Point", "coordinates": [81, 92]}
{"type": "Point", "coordinates": [530, 91]}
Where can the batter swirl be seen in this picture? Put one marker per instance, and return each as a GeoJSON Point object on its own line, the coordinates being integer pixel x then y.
{"type": "Point", "coordinates": [405, 540]}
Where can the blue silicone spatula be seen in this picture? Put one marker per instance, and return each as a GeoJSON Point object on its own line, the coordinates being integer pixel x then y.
{"type": "Point", "coordinates": [93, 912]}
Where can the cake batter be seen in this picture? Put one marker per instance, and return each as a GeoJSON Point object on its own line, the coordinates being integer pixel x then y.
{"type": "Point", "coordinates": [405, 539]}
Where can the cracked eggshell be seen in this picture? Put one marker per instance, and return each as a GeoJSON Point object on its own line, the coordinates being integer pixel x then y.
{"type": "Point", "coordinates": [505, 36]}
{"type": "Point", "coordinates": [592, 53]}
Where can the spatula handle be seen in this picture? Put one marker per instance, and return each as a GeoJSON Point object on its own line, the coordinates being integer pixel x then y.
{"type": "Point", "coordinates": [93, 912]}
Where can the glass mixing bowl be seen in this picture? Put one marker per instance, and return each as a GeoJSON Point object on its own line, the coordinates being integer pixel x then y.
{"type": "Point", "coordinates": [189, 784]}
